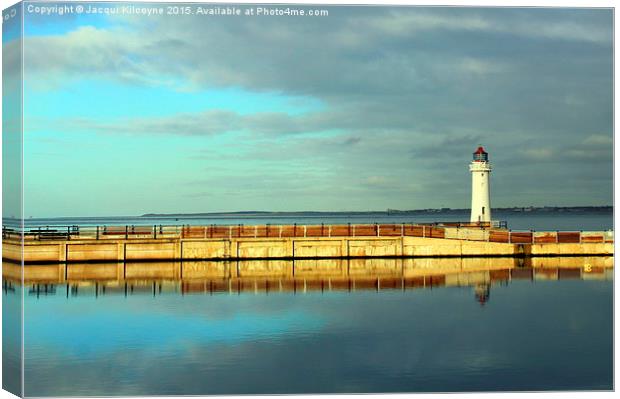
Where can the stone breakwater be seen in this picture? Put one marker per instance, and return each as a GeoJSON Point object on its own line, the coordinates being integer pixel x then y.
{"type": "Point", "coordinates": [128, 244]}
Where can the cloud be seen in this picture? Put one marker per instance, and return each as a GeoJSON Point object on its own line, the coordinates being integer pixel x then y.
{"type": "Point", "coordinates": [405, 93]}
{"type": "Point", "coordinates": [11, 63]}
{"type": "Point", "coordinates": [527, 25]}
{"type": "Point", "coordinates": [539, 153]}
{"type": "Point", "coordinates": [206, 123]}
{"type": "Point", "coordinates": [481, 67]}
{"type": "Point", "coordinates": [87, 52]}
{"type": "Point", "coordinates": [378, 68]}
{"type": "Point", "coordinates": [351, 141]}
{"type": "Point", "coordinates": [376, 181]}
{"type": "Point", "coordinates": [594, 147]}
{"type": "Point", "coordinates": [280, 52]}
{"type": "Point", "coordinates": [597, 140]}
{"type": "Point", "coordinates": [604, 155]}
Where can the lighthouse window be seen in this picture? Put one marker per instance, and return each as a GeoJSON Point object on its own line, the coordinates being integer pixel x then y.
{"type": "Point", "coordinates": [481, 156]}
{"type": "Point", "coordinates": [483, 210]}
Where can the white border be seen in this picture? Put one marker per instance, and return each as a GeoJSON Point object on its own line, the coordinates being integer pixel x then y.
{"type": "Point", "coordinates": [506, 3]}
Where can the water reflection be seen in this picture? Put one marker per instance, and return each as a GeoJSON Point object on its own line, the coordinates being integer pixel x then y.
{"type": "Point", "coordinates": [319, 326]}
{"type": "Point", "coordinates": [299, 276]}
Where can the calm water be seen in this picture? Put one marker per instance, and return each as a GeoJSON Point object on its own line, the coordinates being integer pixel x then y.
{"type": "Point", "coordinates": [379, 327]}
{"type": "Point", "coordinates": [516, 221]}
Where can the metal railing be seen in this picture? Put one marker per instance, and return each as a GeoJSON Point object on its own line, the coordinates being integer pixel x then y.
{"type": "Point", "coordinates": [487, 232]}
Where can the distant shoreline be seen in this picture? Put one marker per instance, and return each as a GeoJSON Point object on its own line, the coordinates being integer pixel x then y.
{"type": "Point", "coordinates": [548, 210]}
{"type": "Point", "coordinates": [537, 210]}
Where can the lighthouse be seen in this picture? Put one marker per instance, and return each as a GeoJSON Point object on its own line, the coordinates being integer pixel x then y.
{"type": "Point", "coordinates": [480, 169]}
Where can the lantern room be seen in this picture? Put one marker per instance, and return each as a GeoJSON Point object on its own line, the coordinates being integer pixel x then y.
{"type": "Point", "coordinates": [481, 155]}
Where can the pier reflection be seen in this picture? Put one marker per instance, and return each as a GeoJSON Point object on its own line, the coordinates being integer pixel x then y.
{"type": "Point", "coordinates": [299, 276]}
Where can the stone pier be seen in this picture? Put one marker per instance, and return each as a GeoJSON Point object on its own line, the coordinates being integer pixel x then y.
{"type": "Point", "coordinates": [76, 250]}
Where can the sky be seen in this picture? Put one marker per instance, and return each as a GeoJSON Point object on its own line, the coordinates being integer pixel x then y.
{"type": "Point", "coordinates": [367, 108]}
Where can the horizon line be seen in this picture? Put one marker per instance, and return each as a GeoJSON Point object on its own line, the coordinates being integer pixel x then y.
{"type": "Point", "coordinates": [389, 210]}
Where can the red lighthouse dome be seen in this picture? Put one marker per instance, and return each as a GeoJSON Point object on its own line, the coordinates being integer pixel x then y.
{"type": "Point", "coordinates": [481, 155]}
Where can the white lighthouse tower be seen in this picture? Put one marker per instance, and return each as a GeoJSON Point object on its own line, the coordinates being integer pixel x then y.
{"type": "Point", "coordinates": [480, 169]}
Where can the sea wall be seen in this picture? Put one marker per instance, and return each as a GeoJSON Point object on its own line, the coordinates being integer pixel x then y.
{"type": "Point", "coordinates": [149, 249]}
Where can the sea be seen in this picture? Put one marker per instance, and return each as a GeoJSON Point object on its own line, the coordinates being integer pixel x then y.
{"type": "Point", "coordinates": [456, 325]}
{"type": "Point", "coordinates": [538, 221]}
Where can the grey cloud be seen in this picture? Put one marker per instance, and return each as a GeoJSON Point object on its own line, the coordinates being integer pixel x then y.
{"type": "Point", "coordinates": [409, 88]}
{"type": "Point", "coordinates": [444, 75]}
{"type": "Point", "coordinates": [351, 141]}
{"type": "Point", "coordinates": [524, 24]}
{"type": "Point", "coordinates": [597, 148]}
{"type": "Point", "coordinates": [11, 64]}
{"type": "Point", "coordinates": [211, 122]}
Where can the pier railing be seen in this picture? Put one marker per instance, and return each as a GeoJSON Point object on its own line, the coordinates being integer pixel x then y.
{"type": "Point", "coordinates": [445, 230]}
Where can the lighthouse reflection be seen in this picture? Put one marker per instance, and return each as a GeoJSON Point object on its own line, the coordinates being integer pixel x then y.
{"type": "Point", "coordinates": [482, 293]}
{"type": "Point", "coordinates": [297, 277]}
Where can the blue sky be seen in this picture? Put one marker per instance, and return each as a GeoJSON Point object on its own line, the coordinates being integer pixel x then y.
{"type": "Point", "coordinates": [365, 109]}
